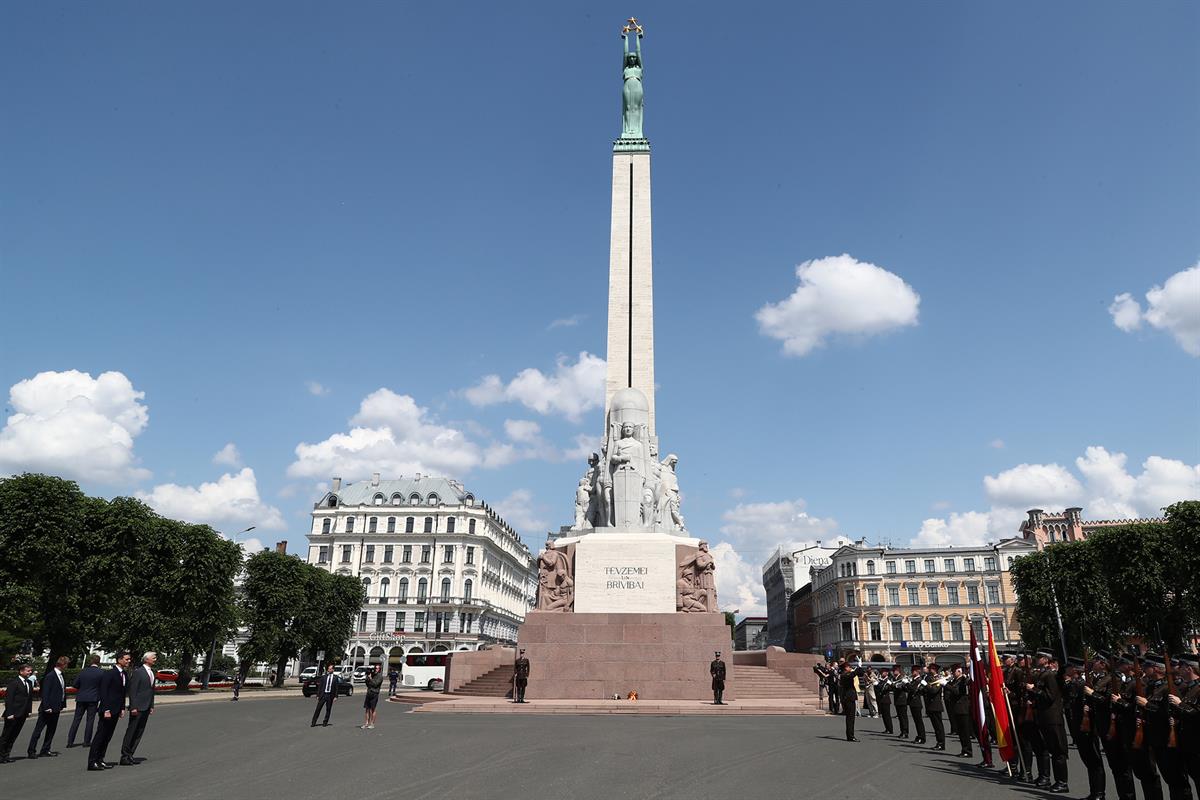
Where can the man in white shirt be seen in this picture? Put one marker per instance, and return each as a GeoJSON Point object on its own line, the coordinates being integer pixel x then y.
{"type": "Point", "coordinates": [54, 700]}
{"type": "Point", "coordinates": [141, 706]}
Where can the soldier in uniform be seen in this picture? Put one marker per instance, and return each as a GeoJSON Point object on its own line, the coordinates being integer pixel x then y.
{"type": "Point", "coordinates": [848, 694]}
{"type": "Point", "coordinates": [520, 677]}
{"type": "Point", "coordinates": [935, 705]}
{"type": "Point", "coordinates": [1187, 703]}
{"type": "Point", "coordinates": [1126, 704]}
{"type": "Point", "coordinates": [1014, 682]}
{"type": "Point", "coordinates": [883, 695]}
{"type": "Point", "coordinates": [1048, 704]}
{"type": "Point", "coordinates": [717, 670]}
{"type": "Point", "coordinates": [1030, 732]}
{"type": "Point", "coordinates": [1162, 716]}
{"type": "Point", "coordinates": [958, 701]}
{"type": "Point", "coordinates": [1081, 722]}
{"type": "Point", "coordinates": [900, 695]}
{"type": "Point", "coordinates": [1105, 728]}
{"type": "Point", "coordinates": [916, 696]}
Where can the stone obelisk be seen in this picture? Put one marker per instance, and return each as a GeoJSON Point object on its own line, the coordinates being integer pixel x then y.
{"type": "Point", "coordinates": [630, 266]}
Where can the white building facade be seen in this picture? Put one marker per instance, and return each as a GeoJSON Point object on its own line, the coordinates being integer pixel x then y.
{"type": "Point", "coordinates": [442, 571]}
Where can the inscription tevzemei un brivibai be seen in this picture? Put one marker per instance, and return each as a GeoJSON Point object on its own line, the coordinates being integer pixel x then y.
{"type": "Point", "coordinates": [625, 577]}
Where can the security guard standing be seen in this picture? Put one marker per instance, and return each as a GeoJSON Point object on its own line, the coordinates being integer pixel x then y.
{"type": "Point", "coordinates": [717, 670]}
{"type": "Point", "coordinates": [520, 677]}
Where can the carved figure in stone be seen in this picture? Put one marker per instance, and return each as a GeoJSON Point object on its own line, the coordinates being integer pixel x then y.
{"type": "Point", "coordinates": [631, 94]}
{"type": "Point", "coordinates": [556, 586]}
{"type": "Point", "coordinates": [595, 501]}
{"type": "Point", "coordinates": [703, 570]}
{"type": "Point", "coordinates": [583, 499]}
{"type": "Point", "coordinates": [627, 462]}
{"type": "Point", "coordinates": [647, 505]}
{"type": "Point", "coordinates": [604, 501]}
{"type": "Point", "coordinates": [667, 509]}
{"type": "Point", "coordinates": [685, 592]}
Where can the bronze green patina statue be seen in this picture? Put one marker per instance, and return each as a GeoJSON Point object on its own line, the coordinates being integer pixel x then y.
{"type": "Point", "coordinates": [631, 95]}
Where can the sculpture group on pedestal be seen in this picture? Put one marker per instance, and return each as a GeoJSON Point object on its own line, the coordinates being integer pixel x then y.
{"type": "Point", "coordinates": [556, 586]}
{"type": "Point", "coordinates": [696, 587]}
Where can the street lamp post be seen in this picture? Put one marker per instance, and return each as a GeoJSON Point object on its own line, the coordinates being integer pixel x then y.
{"type": "Point", "coordinates": [212, 650]}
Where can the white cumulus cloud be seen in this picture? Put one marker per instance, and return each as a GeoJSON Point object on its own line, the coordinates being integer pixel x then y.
{"type": "Point", "coordinates": [228, 456]}
{"type": "Point", "coordinates": [571, 390]}
{"type": "Point", "coordinates": [959, 530]}
{"type": "Point", "coordinates": [316, 389]}
{"type": "Point", "coordinates": [76, 426]}
{"type": "Point", "coordinates": [520, 510]}
{"type": "Point", "coordinates": [1029, 484]}
{"type": "Point", "coordinates": [1173, 307]}
{"type": "Point", "coordinates": [231, 500]}
{"type": "Point", "coordinates": [838, 295]}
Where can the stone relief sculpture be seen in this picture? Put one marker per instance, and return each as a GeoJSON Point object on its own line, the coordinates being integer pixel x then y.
{"type": "Point", "coordinates": [685, 595]}
{"type": "Point", "coordinates": [699, 570]}
{"type": "Point", "coordinates": [556, 587]}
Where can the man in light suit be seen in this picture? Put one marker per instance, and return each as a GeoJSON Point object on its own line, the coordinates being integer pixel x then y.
{"type": "Point", "coordinates": [111, 706]}
{"type": "Point", "coordinates": [327, 691]}
{"type": "Point", "coordinates": [141, 706]}
{"type": "Point", "coordinates": [18, 705]}
{"type": "Point", "coordinates": [87, 694]}
{"type": "Point", "coordinates": [54, 700]}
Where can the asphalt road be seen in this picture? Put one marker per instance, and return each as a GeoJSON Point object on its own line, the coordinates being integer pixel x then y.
{"type": "Point", "coordinates": [266, 748]}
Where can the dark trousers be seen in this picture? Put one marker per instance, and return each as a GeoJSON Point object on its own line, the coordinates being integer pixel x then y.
{"type": "Point", "coordinates": [325, 702]}
{"type": "Point", "coordinates": [88, 708]}
{"type": "Point", "coordinates": [1191, 760]}
{"type": "Point", "coordinates": [939, 728]}
{"type": "Point", "coordinates": [521, 683]}
{"type": "Point", "coordinates": [1142, 763]}
{"type": "Point", "coordinates": [1171, 764]}
{"type": "Point", "coordinates": [718, 691]}
{"type": "Point", "coordinates": [1088, 745]}
{"type": "Point", "coordinates": [104, 733]}
{"type": "Point", "coordinates": [849, 711]}
{"type": "Point", "coordinates": [1118, 765]}
{"type": "Point", "coordinates": [962, 727]}
{"type": "Point", "coordinates": [1055, 737]}
{"type": "Point", "coordinates": [918, 722]}
{"type": "Point", "coordinates": [885, 711]}
{"type": "Point", "coordinates": [902, 718]}
{"type": "Point", "coordinates": [1033, 748]}
{"type": "Point", "coordinates": [45, 722]}
{"type": "Point", "coordinates": [12, 729]}
{"type": "Point", "coordinates": [133, 733]}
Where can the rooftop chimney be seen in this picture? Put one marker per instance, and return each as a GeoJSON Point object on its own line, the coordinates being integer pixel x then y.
{"type": "Point", "coordinates": [281, 547]}
{"type": "Point", "coordinates": [374, 478]}
{"type": "Point", "coordinates": [336, 485]}
{"type": "Point", "coordinates": [417, 477]}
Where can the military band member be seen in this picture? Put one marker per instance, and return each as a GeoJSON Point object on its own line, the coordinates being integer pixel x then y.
{"type": "Point", "coordinates": [916, 702]}
{"type": "Point", "coordinates": [848, 694]}
{"type": "Point", "coordinates": [520, 677]}
{"type": "Point", "coordinates": [958, 702]}
{"type": "Point", "coordinates": [717, 670]}
{"type": "Point", "coordinates": [935, 705]}
{"type": "Point", "coordinates": [883, 695]}
{"type": "Point", "coordinates": [900, 695]}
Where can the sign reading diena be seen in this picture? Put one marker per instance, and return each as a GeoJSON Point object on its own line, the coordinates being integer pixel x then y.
{"type": "Point", "coordinates": [626, 577]}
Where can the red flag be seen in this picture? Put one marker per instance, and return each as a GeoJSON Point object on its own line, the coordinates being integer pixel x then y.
{"type": "Point", "coordinates": [1004, 734]}
{"type": "Point", "coordinates": [978, 707]}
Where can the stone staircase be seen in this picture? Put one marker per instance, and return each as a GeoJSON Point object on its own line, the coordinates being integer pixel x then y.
{"type": "Point", "coordinates": [497, 683]}
{"type": "Point", "coordinates": [763, 683]}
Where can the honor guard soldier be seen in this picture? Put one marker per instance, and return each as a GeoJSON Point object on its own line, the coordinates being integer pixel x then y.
{"type": "Point", "coordinates": [1106, 681]}
{"type": "Point", "coordinates": [1081, 721]}
{"type": "Point", "coordinates": [520, 677]}
{"type": "Point", "coordinates": [1187, 702]}
{"type": "Point", "coordinates": [935, 705]}
{"type": "Point", "coordinates": [848, 694]}
{"type": "Point", "coordinates": [1029, 731]}
{"type": "Point", "coordinates": [717, 670]}
{"type": "Point", "coordinates": [1048, 702]}
{"type": "Point", "coordinates": [900, 695]}
{"type": "Point", "coordinates": [1131, 729]}
{"type": "Point", "coordinates": [1163, 733]}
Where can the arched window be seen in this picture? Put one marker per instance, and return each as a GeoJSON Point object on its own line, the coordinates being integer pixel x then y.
{"type": "Point", "coordinates": [325, 525]}
{"type": "Point", "coordinates": [397, 499]}
{"type": "Point", "coordinates": [469, 499]}
{"type": "Point", "coordinates": [414, 499]}
{"type": "Point", "coordinates": [378, 500]}
{"type": "Point", "coordinates": [471, 526]}
{"type": "Point", "coordinates": [366, 582]}
{"type": "Point", "coordinates": [391, 524]}
{"type": "Point", "coordinates": [450, 525]}
{"type": "Point", "coordinates": [445, 590]}
{"type": "Point", "coordinates": [429, 524]}
{"type": "Point", "coordinates": [433, 499]}
{"type": "Point", "coordinates": [332, 501]}
{"type": "Point", "coordinates": [403, 598]}
{"type": "Point", "coordinates": [870, 567]}
{"type": "Point", "coordinates": [467, 584]}
{"type": "Point", "coordinates": [422, 590]}
{"type": "Point", "coordinates": [373, 525]}
{"type": "Point", "coordinates": [384, 583]}
{"type": "Point", "coordinates": [408, 525]}
{"type": "Point", "coordinates": [349, 524]}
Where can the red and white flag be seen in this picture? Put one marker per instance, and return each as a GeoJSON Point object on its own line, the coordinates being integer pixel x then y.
{"type": "Point", "coordinates": [978, 702]}
{"type": "Point", "coordinates": [1004, 732]}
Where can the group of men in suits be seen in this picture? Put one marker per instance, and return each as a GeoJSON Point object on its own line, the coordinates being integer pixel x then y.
{"type": "Point", "coordinates": [106, 694]}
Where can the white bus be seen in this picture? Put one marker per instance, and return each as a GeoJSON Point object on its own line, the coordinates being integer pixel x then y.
{"type": "Point", "coordinates": [426, 669]}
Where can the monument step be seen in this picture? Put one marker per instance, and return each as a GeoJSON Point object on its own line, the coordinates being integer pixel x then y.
{"type": "Point", "coordinates": [763, 683]}
{"type": "Point", "coordinates": [496, 683]}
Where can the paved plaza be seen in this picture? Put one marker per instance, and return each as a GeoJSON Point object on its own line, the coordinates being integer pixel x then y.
{"type": "Point", "coordinates": [265, 748]}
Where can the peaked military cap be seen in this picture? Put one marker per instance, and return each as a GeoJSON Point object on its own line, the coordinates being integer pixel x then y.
{"type": "Point", "coordinates": [1075, 662]}
{"type": "Point", "coordinates": [1154, 658]}
{"type": "Point", "coordinates": [1046, 654]}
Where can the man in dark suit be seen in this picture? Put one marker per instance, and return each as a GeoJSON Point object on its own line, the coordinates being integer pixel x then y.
{"type": "Point", "coordinates": [141, 706]}
{"type": "Point", "coordinates": [87, 694]}
{"type": "Point", "coordinates": [54, 700]}
{"type": "Point", "coordinates": [327, 691]}
{"type": "Point", "coordinates": [916, 702]}
{"type": "Point", "coordinates": [18, 705]}
{"type": "Point", "coordinates": [110, 706]}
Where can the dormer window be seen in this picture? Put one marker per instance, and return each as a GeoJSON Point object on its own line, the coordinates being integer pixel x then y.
{"type": "Point", "coordinates": [332, 502]}
{"type": "Point", "coordinates": [378, 500]}
{"type": "Point", "coordinates": [432, 500]}
{"type": "Point", "coordinates": [397, 499]}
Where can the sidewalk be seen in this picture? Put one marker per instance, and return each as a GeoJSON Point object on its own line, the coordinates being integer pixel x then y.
{"type": "Point", "coordinates": [170, 698]}
{"type": "Point", "coordinates": [674, 708]}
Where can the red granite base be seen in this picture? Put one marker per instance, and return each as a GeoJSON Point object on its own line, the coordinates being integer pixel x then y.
{"type": "Point", "coordinates": [594, 656]}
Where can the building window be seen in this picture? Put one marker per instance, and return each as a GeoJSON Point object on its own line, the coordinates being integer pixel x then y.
{"type": "Point", "coordinates": [872, 596]}
{"type": "Point", "coordinates": [373, 525]}
{"type": "Point", "coordinates": [378, 499]}
{"type": "Point", "coordinates": [325, 525]}
{"type": "Point", "coordinates": [400, 615]}
{"type": "Point", "coordinates": [929, 566]}
{"type": "Point", "coordinates": [406, 554]}
{"type": "Point", "coordinates": [876, 631]}
{"type": "Point", "coordinates": [897, 630]}
{"type": "Point", "coordinates": [349, 524]}
{"type": "Point", "coordinates": [369, 557]}
{"type": "Point", "coordinates": [391, 524]}
{"type": "Point", "coordinates": [362, 621]}
{"type": "Point", "coordinates": [870, 567]}
{"type": "Point", "coordinates": [414, 499]}
{"type": "Point", "coordinates": [422, 590]}
{"type": "Point", "coordinates": [847, 631]}
{"type": "Point", "coordinates": [914, 598]}
{"type": "Point", "coordinates": [470, 555]}
{"type": "Point", "coordinates": [977, 626]}
{"type": "Point", "coordinates": [993, 593]}
{"type": "Point", "coordinates": [914, 628]}
{"type": "Point", "coordinates": [467, 586]}
{"type": "Point", "coordinates": [408, 524]}
{"type": "Point", "coordinates": [425, 553]}
{"type": "Point", "coordinates": [397, 499]}
{"type": "Point", "coordinates": [429, 525]}
{"type": "Point", "coordinates": [891, 567]}
{"type": "Point", "coordinates": [470, 526]}
{"type": "Point", "coordinates": [894, 595]}
{"type": "Point", "coordinates": [989, 563]}
{"type": "Point", "coordinates": [346, 551]}
{"type": "Point", "coordinates": [934, 599]}
{"type": "Point", "coordinates": [949, 565]}
{"type": "Point", "coordinates": [447, 553]}
{"type": "Point", "coordinates": [1010, 558]}
{"type": "Point", "coordinates": [956, 632]}
{"type": "Point", "coordinates": [998, 627]}
{"type": "Point", "coordinates": [381, 620]}
{"type": "Point", "coordinates": [935, 630]}
{"type": "Point", "coordinates": [419, 622]}
{"type": "Point", "coordinates": [322, 555]}
{"type": "Point", "coordinates": [972, 594]}
{"type": "Point", "coordinates": [403, 598]}
{"type": "Point", "coordinates": [850, 598]}
{"type": "Point", "coordinates": [910, 566]}
{"type": "Point", "coordinates": [388, 552]}
{"type": "Point", "coordinates": [384, 585]}
{"type": "Point", "coordinates": [445, 590]}
{"type": "Point", "coordinates": [968, 565]}
{"type": "Point", "coordinates": [450, 523]}
{"type": "Point", "coordinates": [366, 582]}
{"type": "Point", "coordinates": [952, 593]}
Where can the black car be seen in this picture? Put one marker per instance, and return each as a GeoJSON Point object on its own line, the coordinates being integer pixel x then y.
{"type": "Point", "coordinates": [309, 687]}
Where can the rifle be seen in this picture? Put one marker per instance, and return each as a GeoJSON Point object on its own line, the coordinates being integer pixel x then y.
{"type": "Point", "coordinates": [1112, 716]}
{"type": "Point", "coordinates": [1172, 740]}
{"type": "Point", "coordinates": [1085, 723]}
{"type": "Point", "coordinates": [1139, 690]}
{"type": "Point", "coordinates": [1027, 677]}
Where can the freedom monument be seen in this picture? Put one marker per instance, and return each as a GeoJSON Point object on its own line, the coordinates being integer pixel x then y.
{"type": "Point", "coordinates": [626, 597]}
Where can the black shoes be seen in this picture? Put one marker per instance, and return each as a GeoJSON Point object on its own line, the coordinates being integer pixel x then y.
{"type": "Point", "coordinates": [852, 739]}
{"type": "Point", "coordinates": [96, 768]}
{"type": "Point", "coordinates": [1059, 788]}
{"type": "Point", "coordinates": [49, 753]}
{"type": "Point", "coordinates": [127, 762]}
{"type": "Point", "coordinates": [31, 756]}
{"type": "Point", "coordinates": [1042, 782]}
{"type": "Point", "coordinates": [939, 747]}
{"type": "Point", "coordinates": [964, 754]}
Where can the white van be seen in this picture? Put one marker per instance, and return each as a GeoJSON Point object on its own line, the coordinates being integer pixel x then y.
{"type": "Point", "coordinates": [308, 672]}
{"type": "Point", "coordinates": [426, 669]}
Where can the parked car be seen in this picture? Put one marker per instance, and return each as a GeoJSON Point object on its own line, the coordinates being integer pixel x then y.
{"type": "Point", "coordinates": [308, 672]}
{"type": "Point", "coordinates": [167, 675]}
{"type": "Point", "coordinates": [219, 677]}
{"type": "Point", "coordinates": [309, 687]}
{"type": "Point", "coordinates": [360, 674]}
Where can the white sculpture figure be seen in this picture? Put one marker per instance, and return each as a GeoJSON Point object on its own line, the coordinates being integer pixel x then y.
{"type": "Point", "coordinates": [583, 497]}
{"type": "Point", "coordinates": [668, 512]}
{"type": "Point", "coordinates": [628, 478]}
{"type": "Point", "coordinates": [596, 511]}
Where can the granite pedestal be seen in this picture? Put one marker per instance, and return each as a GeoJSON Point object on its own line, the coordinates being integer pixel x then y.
{"type": "Point", "coordinates": [594, 656]}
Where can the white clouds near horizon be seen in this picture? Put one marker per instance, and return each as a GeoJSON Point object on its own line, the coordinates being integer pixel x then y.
{"type": "Point", "coordinates": [231, 500]}
{"type": "Point", "coordinates": [228, 456]}
{"type": "Point", "coordinates": [571, 390]}
{"type": "Point", "coordinates": [520, 510]}
{"type": "Point", "coordinates": [1173, 307]}
{"type": "Point", "coordinates": [838, 296]}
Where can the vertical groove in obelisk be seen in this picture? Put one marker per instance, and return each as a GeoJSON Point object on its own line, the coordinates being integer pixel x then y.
{"type": "Point", "coordinates": [629, 349]}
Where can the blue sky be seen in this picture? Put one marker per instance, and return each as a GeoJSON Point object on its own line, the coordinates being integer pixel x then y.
{"type": "Point", "coordinates": [261, 216]}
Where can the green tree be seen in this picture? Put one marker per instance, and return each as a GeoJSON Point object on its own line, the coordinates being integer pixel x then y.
{"type": "Point", "coordinates": [327, 621]}
{"type": "Point", "coordinates": [273, 594]}
{"type": "Point", "coordinates": [200, 592]}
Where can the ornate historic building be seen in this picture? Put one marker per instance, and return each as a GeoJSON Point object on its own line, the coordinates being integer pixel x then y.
{"type": "Point", "coordinates": [915, 605]}
{"type": "Point", "coordinates": [442, 570]}
{"type": "Point", "coordinates": [1042, 528]}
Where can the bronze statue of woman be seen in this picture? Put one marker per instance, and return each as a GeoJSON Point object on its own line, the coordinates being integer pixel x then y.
{"type": "Point", "coordinates": [631, 95]}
